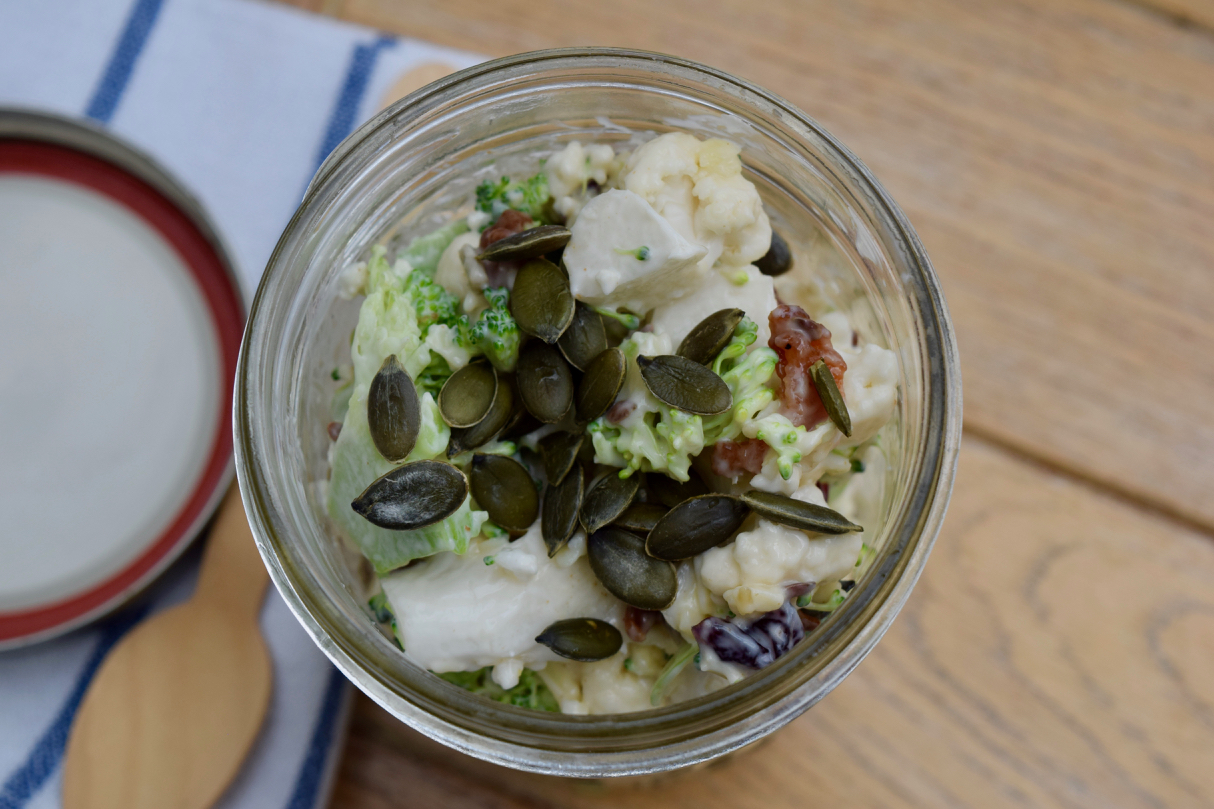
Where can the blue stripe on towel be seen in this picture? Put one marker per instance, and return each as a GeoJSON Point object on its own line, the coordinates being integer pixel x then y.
{"type": "Point", "coordinates": [44, 758]}
{"type": "Point", "coordinates": [345, 111]}
{"type": "Point", "coordinates": [312, 771]}
{"type": "Point", "coordinates": [122, 61]}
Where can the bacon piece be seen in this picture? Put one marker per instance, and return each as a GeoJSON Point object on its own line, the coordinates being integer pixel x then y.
{"type": "Point", "coordinates": [801, 341]}
{"type": "Point", "coordinates": [509, 223]}
{"type": "Point", "coordinates": [732, 458]}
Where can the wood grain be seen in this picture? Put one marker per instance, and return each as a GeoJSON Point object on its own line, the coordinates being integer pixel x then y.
{"type": "Point", "coordinates": [1056, 653]}
{"type": "Point", "coordinates": [1056, 156]}
{"type": "Point", "coordinates": [1194, 12]}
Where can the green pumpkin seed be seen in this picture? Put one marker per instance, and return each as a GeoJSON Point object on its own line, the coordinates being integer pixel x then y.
{"type": "Point", "coordinates": [778, 259]}
{"type": "Point", "coordinates": [696, 525]}
{"type": "Point", "coordinates": [583, 639]}
{"type": "Point", "coordinates": [562, 502]}
{"type": "Point", "coordinates": [831, 398]}
{"type": "Point", "coordinates": [640, 518]}
{"type": "Point", "coordinates": [544, 382]}
{"type": "Point", "coordinates": [501, 486]}
{"type": "Point", "coordinates": [541, 302]}
{"type": "Point", "coordinates": [413, 496]}
{"type": "Point", "coordinates": [600, 384]}
{"type": "Point", "coordinates": [618, 559]}
{"type": "Point", "coordinates": [585, 338]}
{"type": "Point", "coordinates": [798, 514]}
{"type": "Point", "coordinates": [670, 492]}
{"type": "Point", "coordinates": [393, 411]}
{"type": "Point", "coordinates": [468, 395]}
{"type": "Point", "coordinates": [685, 385]}
{"type": "Point", "coordinates": [607, 499]}
{"type": "Point", "coordinates": [703, 343]}
{"type": "Point", "coordinates": [527, 244]}
{"type": "Point", "coordinates": [466, 438]}
{"type": "Point", "coordinates": [559, 451]}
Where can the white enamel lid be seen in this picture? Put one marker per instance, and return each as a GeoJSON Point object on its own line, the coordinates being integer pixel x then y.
{"type": "Point", "coordinates": [120, 324]}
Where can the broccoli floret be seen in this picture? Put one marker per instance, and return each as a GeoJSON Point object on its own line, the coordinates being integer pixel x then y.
{"type": "Point", "coordinates": [435, 375]}
{"type": "Point", "coordinates": [747, 381]}
{"type": "Point", "coordinates": [433, 303]}
{"type": "Point", "coordinates": [744, 335]}
{"type": "Point", "coordinates": [530, 197]}
{"type": "Point", "coordinates": [496, 333]}
{"type": "Point", "coordinates": [529, 693]}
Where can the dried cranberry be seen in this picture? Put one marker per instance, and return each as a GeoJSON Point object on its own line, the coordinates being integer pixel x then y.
{"type": "Point", "coordinates": [824, 488]}
{"type": "Point", "coordinates": [801, 341]}
{"type": "Point", "coordinates": [501, 273]}
{"type": "Point", "coordinates": [638, 622]}
{"type": "Point", "coordinates": [732, 458]}
{"type": "Point", "coordinates": [334, 430]}
{"type": "Point", "coordinates": [755, 643]}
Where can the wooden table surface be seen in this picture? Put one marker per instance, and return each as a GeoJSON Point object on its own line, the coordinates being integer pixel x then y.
{"type": "Point", "coordinates": [1057, 159]}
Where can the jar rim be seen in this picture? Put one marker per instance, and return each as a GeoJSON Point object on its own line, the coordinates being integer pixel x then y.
{"type": "Point", "coordinates": [743, 714]}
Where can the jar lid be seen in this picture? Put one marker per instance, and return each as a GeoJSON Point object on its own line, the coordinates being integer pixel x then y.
{"type": "Point", "coordinates": [120, 325]}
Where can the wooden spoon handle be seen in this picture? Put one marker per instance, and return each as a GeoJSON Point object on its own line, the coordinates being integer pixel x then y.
{"type": "Point", "coordinates": [232, 575]}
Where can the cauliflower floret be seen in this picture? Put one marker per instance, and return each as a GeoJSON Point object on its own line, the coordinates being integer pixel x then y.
{"type": "Point", "coordinates": [870, 388]}
{"type": "Point", "coordinates": [605, 686]}
{"type": "Point", "coordinates": [742, 288]}
{"type": "Point", "coordinates": [752, 573]}
{"type": "Point", "coordinates": [444, 341]}
{"type": "Point", "coordinates": [692, 603]}
{"type": "Point", "coordinates": [621, 253]}
{"type": "Point", "coordinates": [451, 274]}
{"type": "Point", "coordinates": [571, 169]}
{"type": "Point", "coordinates": [698, 187]}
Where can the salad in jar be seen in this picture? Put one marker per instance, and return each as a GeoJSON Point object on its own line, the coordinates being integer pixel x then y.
{"type": "Point", "coordinates": [595, 454]}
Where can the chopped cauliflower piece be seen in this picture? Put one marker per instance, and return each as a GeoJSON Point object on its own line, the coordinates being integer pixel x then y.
{"type": "Point", "coordinates": [738, 288]}
{"type": "Point", "coordinates": [693, 603]}
{"type": "Point", "coordinates": [571, 170]}
{"type": "Point", "coordinates": [605, 686]}
{"type": "Point", "coordinates": [752, 573]}
{"type": "Point", "coordinates": [621, 253]}
{"type": "Point", "coordinates": [451, 274]}
{"type": "Point", "coordinates": [697, 186]}
{"type": "Point", "coordinates": [870, 388]}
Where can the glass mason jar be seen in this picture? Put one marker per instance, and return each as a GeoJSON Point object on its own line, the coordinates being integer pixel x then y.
{"type": "Point", "coordinates": [399, 175]}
